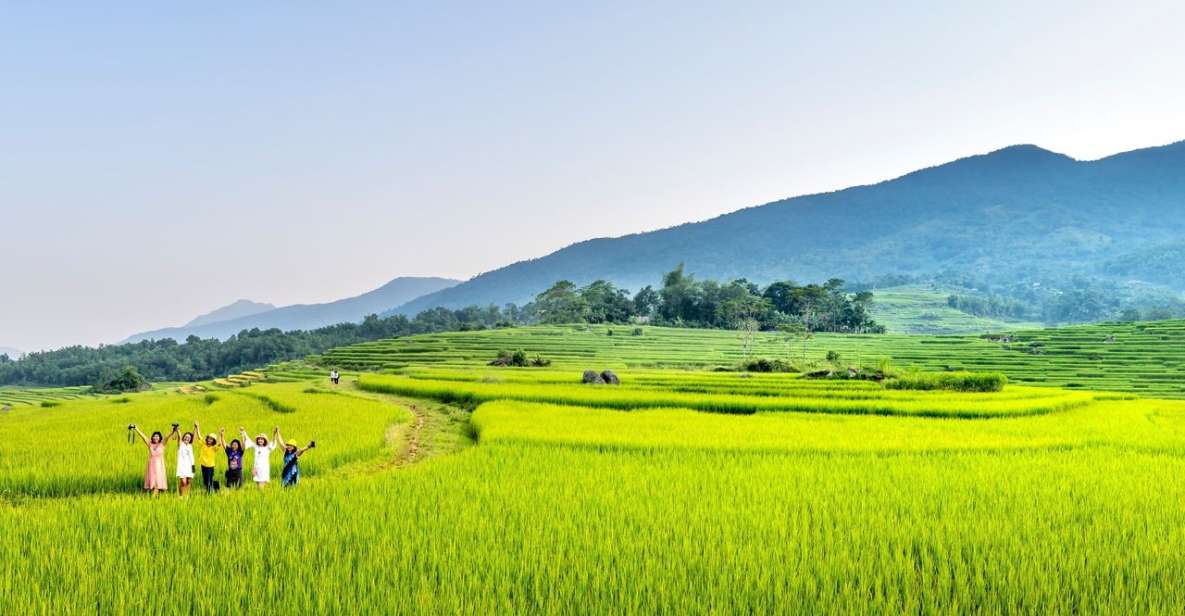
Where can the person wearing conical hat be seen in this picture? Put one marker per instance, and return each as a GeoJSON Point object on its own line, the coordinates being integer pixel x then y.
{"type": "Point", "coordinates": [261, 467]}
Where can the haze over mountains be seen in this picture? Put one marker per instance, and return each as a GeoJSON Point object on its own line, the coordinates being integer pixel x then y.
{"type": "Point", "coordinates": [237, 310]}
{"type": "Point", "coordinates": [1020, 213]}
{"type": "Point", "coordinates": [244, 314]}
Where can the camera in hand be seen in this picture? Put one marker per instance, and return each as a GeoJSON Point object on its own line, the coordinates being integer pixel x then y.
{"type": "Point", "coordinates": [312, 444]}
{"type": "Point", "coordinates": [176, 425]}
{"type": "Point", "coordinates": [131, 426]}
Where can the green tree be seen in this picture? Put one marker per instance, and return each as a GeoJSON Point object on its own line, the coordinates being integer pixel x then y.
{"type": "Point", "coordinates": [561, 304]}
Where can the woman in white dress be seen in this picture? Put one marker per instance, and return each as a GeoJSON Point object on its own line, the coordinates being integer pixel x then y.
{"type": "Point", "coordinates": [261, 466]}
{"type": "Point", "coordinates": [184, 463]}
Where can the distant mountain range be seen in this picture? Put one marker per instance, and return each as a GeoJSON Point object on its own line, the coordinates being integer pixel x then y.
{"type": "Point", "coordinates": [237, 310]}
{"type": "Point", "coordinates": [1020, 213]}
{"type": "Point", "coordinates": [10, 352]}
{"type": "Point", "coordinates": [230, 320]}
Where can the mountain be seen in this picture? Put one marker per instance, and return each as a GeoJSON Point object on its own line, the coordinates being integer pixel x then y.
{"type": "Point", "coordinates": [11, 352]}
{"type": "Point", "coordinates": [307, 316]}
{"type": "Point", "coordinates": [1020, 213]}
{"type": "Point", "coordinates": [237, 310]}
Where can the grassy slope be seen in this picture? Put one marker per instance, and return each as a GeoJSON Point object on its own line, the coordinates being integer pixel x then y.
{"type": "Point", "coordinates": [922, 309]}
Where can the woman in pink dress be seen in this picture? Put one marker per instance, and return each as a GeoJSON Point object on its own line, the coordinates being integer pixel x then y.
{"type": "Point", "coordinates": [155, 480]}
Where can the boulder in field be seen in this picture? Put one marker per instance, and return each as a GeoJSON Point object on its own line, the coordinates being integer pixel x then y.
{"type": "Point", "coordinates": [610, 377]}
{"type": "Point", "coordinates": [592, 378]}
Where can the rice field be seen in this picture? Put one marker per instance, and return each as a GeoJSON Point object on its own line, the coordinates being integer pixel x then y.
{"type": "Point", "coordinates": [678, 491]}
{"type": "Point", "coordinates": [728, 393]}
{"type": "Point", "coordinates": [18, 396]}
{"type": "Point", "coordinates": [40, 447]}
{"type": "Point", "coordinates": [1143, 358]}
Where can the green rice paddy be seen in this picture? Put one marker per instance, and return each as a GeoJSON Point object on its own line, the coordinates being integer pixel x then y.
{"type": "Point", "coordinates": [681, 490]}
{"type": "Point", "coordinates": [1144, 358]}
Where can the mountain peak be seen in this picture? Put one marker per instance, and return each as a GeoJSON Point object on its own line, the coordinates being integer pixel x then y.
{"type": "Point", "coordinates": [221, 323]}
{"type": "Point", "coordinates": [238, 309]}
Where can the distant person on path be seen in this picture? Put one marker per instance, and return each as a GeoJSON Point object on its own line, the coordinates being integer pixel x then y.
{"type": "Point", "coordinates": [261, 465]}
{"type": "Point", "coordinates": [155, 480]}
{"type": "Point", "coordinates": [184, 463]}
{"type": "Point", "coordinates": [234, 460]}
{"type": "Point", "coordinates": [335, 376]}
{"type": "Point", "coordinates": [206, 458]}
{"type": "Point", "coordinates": [291, 473]}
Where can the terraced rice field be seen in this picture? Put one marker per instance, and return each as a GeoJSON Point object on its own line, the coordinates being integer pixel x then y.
{"type": "Point", "coordinates": [735, 393]}
{"type": "Point", "coordinates": [1144, 358]}
{"type": "Point", "coordinates": [678, 491]}
{"type": "Point", "coordinates": [16, 396]}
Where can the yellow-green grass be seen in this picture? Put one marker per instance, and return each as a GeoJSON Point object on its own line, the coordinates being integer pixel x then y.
{"type": "Point", "coordinates": [1014, 401]}
{"type": "Point", "coordinates": [680, 524]}
{"type": "Point", "coordinates": [1143, 424]}
{"type": "Point", "coordinates": [1145, 358]}
{"type": "Point", "coordinates": [569, 503]}
{"type": "Point", "coordinates": [82, 447]}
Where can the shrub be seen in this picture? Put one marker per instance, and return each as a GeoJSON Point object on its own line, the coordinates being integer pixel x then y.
{"type": "Point", "coordinates": [49, 404]}
{"type": "Point", "coordinates": [518, 359]}
{"type": "Point", "coordinates": [767, 365]}
{"type": "Point", "coordinates": [637, 331]}
{"type": "Point", "coordinates": [834, 357]}
{"type": "Point", "coordinates": [953, 381]}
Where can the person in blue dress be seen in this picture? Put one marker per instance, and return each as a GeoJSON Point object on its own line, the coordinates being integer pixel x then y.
{"type": "Point", "coordinates": [291, 472]}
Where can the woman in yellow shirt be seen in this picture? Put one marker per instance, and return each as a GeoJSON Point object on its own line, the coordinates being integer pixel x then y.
{"type": "Point", "coordinates": [210, 449]}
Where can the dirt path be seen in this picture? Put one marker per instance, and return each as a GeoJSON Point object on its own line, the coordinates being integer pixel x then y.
{"type": "Point", "coordinates": [409, 454]}
{"type": "Point", "coordinates": [436, 429]}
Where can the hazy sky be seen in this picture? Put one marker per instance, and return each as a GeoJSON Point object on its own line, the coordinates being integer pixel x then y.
{"type": "Point", "coordinates": [159, 161]}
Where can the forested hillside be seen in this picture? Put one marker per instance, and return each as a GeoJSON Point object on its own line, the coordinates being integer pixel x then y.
{"type": "Point", "coordinates": [1017, 215]}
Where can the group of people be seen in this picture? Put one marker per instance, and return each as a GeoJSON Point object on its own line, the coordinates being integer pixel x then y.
{"type": "Point", "coordinates": [261, 446]}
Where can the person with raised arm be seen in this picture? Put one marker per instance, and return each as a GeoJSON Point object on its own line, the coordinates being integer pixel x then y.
{"type": "Point", "coordinates": [234, 460]}
{"type": "Point", "coordinates": [207, 456]}
{"type": "Point", "coordinates": [155, 479]}
{"type": "Point", "coordinates": [185, 463]}
{"type": "Point", "coordinates": [261, 465]}
{"type": "Point", "coordinates": [292, 453]}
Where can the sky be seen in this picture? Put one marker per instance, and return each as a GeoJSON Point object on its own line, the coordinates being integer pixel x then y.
{"type": "Point", "coordinates": [160, 160]}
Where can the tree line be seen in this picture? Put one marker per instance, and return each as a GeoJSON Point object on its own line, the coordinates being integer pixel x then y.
{"type": "Point", "coordinates": [681, 301]}
{"type": "Point", "coordinates": [199, 359]}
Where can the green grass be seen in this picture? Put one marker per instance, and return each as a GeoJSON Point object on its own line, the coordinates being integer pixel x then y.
{"type": "Point", "coordinates": [40, 447]}
{"type": "Point", "coordinates": [792, 495]}
{"type": "Point", "coordinates": [34, 396]}
{"type": "Point", "coordinates": [735, 394]}
{"type": "Point", "coordinates": [922, 309]}
{"type": "Point", "coordinates": [664, 511]}
{"type": "Point", "coordinates": [1144, 358]}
